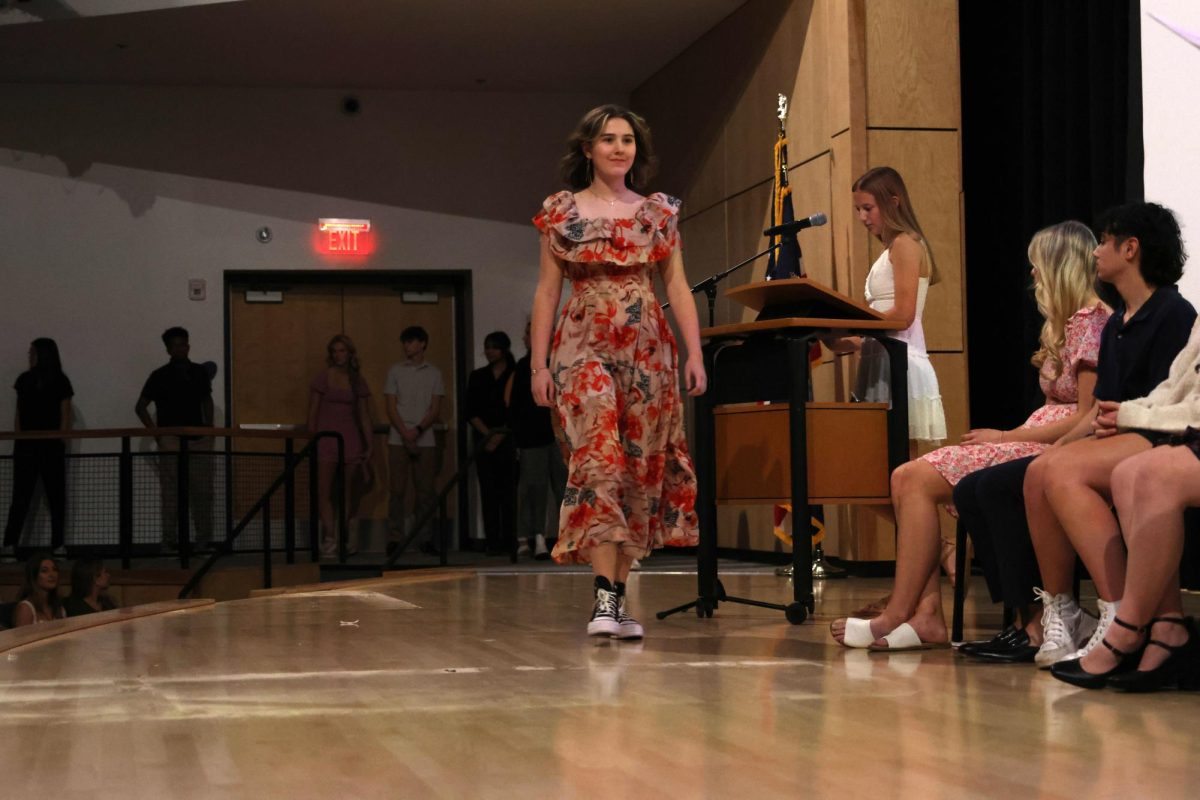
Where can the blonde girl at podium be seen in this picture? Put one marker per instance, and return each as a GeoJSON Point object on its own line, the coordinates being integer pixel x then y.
{"type": "Point", "coordinates": [1064, 272]}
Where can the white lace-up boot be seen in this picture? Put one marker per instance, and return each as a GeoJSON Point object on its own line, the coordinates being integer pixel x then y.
{"type": "Point", "coordinates": [1064, 627]}
{"type": "Point", "coordinates": [1108, 611]}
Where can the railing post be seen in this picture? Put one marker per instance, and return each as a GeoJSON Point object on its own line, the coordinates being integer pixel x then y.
{"type": "Point", "coordinates": [314, 503]}
{"type": "Point", "coordinates": [442, 534]}
{"type": "Point", "coordinates": [183, 528]}
{"type": "Point", "coordinates": [289, 500]}
{"type": "Point", "coordinates": [228, 459]}
{"type": "Point", "coordinates": [341, 506]}
{"type": "Point", "coordinates": [125, 502]}
{"type": "Point", "coordinates": [266, 537]}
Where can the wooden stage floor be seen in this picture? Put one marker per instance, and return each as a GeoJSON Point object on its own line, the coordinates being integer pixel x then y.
{"type": "Point", "coordinates": [485, 685]}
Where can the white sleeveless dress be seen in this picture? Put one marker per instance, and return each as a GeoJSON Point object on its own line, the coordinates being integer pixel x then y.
{"type": "Point", "coordinates": [926, 418]}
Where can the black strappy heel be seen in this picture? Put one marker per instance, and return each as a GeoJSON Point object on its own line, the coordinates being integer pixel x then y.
{"type": "Point", "coordinates": [1072, 671]}
{"type": "Point", "coordinates": [1181, 669]}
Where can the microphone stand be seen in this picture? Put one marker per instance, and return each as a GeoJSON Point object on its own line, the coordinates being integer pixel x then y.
{"type": "Point", "coordinates": [709, 284]}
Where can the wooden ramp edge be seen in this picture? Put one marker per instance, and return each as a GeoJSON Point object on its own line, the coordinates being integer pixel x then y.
{"type": "Point", "coordinates": [399, 578]}
{"type": "Point", "coordinates": [32, 634]}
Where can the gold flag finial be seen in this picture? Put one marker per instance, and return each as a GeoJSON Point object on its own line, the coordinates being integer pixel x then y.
{"type": "Point", "coordinates": [783, 108]}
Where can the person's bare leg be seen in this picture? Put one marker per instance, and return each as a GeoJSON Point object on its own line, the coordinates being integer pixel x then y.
{"type": "Point", "coordinates": [605, 558]}
{"type": "Point", "coordinates": [624, 565]}
{"type": "Point", "coordinates": [1079, 491]}
{"type": "Point", "coordinates": [917, 489]}
{"type": "Point", "coordinates": [1055, 556]}
{"type": "Point", "coordinates": [1151, 491]}
{"type": "Point", "coordinates": [325, 472]}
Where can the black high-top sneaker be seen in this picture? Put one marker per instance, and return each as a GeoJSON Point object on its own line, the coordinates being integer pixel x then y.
{"type": "Point", "coordinates": [629, 628]}
{"type": "Point", "coordinates": [604, 613]}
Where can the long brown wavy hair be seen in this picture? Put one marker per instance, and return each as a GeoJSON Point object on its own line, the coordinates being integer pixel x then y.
{"type": "Point", "coordinates": [575, 168]}
{"type": "Point", "coordinates": [351, 365]}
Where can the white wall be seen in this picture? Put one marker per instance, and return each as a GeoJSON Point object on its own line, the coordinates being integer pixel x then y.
{"type": "Point", "coordinates": [1171, 108]}
{"type": "Point", "coordinates": [111, 198]}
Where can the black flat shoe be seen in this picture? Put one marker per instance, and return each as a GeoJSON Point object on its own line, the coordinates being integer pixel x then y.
{"type": "Point", "coordinates": [1072, 671]}
{"type": "Point", "coordinates": [1000, 639]}
{"type": "Point", "coordinates": [1015, 649]}
{"type": "Point", "coordinates": [1180, 670]}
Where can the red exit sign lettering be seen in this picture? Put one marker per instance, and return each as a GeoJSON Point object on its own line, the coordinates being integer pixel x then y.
{"type": "Point", "coordinates": [345, 236]}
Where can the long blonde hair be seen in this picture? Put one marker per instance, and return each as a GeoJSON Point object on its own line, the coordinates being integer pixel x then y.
{"type": "Point", "coordinates": [884, 183]}
{"type": "Point", "coordinates": [1063, 256]}
{"type": "Point", "coordinates": [352, 365]}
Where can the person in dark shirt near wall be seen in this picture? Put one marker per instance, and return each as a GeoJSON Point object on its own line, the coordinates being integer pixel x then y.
{"type": "Point", "coordinates": [496, 464]}
{"type": "Point", "coordinates": [542, 471]}
{"type": "Point", "coordinates": [43, 404]}
{"type": "Point", "coordinates": [181, 392]}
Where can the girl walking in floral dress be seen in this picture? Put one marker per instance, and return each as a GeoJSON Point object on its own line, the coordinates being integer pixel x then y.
{"type": "Point", "coordinates": [610, 370]}
{"type": "Point", "coordinates": [1063, 272]}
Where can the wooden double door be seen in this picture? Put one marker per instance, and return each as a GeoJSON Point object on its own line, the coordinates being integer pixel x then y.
{"type": "Point", "coordinates": [277, 345]}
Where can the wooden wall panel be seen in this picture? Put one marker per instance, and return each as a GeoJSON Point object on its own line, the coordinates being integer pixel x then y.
{"type": "Point", "coordinates": [848, 242]}
{"type": "Point", "coordinates": [752, 126]}
{"type": "Point", "coordinates": [929, 162]}
{"type": "Point", "coordinates": [912, 64]}
{"type": "Point", "coordinates": [748, 528]}
{"type": "Point", "coordinates": [809, 94]}
{"type": "Point", "coordinates": [951, 369]}
{"type": "Point", "coordinates": [748, 214]}
{"type": "Point", "coordinates": [704, 252]}
{"type": "Point", "coordinates": [810, 194]}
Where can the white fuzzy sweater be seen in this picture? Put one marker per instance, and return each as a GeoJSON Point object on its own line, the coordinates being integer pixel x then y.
{"type": "Point", "coordinates": [1174, 404]}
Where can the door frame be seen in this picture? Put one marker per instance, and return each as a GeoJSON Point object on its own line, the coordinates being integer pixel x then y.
{"type": "Point", "coordinates": [417, 279]}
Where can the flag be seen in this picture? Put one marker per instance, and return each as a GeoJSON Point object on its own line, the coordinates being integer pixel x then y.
{"type": "Point", "coordinates": [783, 524]}
{"type": "Point", "coordinates": [784, 262]}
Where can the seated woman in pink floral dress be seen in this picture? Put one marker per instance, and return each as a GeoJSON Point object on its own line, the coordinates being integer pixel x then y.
{"type": "Point", "coordinates": [611, 369]}
{"type": "Point", "coordinates": [1064, 273]}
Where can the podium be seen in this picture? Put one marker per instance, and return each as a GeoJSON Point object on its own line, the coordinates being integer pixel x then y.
{"type": "Point", "coordinates": [759, 438]}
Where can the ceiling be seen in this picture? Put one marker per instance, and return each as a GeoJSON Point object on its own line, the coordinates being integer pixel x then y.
{"type": "Point", "coordinates": [443, 45]}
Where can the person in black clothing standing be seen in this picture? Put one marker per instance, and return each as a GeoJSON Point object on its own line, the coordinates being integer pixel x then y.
{"type": "Point", "coordinates": [181, 392]}
{"type": "Point", "coordinates": [541, 463]}
{"type": "Point", "coordinates": [43, 404]}
{"type": "Point", "coordinates": [496, 463]}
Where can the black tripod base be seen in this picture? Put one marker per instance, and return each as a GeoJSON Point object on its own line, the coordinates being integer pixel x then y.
{"type": "Point", "coordinates": [796, 612]}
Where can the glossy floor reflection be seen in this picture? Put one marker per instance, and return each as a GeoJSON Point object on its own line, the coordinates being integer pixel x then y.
{"type": "Point", "coordinates": [486, 686]}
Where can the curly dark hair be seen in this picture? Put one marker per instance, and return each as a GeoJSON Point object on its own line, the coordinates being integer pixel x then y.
{"type": "Point", "coordinates": [1159, 239]}
{"type": "Point", "coordinates": [575, 167]}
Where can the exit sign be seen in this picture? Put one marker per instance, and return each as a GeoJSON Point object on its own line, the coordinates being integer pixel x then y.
{"type": "Point", "coordinates": [345, 237]}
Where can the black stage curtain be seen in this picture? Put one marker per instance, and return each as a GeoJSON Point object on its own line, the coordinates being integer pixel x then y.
{"type": "Point", "coordinates": [1052, 130]}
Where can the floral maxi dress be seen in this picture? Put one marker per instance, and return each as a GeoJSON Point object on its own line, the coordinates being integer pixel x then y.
{"type": "Point", "coordinates": [613, 361]}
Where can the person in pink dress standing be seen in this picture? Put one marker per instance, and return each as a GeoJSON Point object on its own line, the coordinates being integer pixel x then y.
{"type": "Point", "coordinates": [1064, 272]}
{"type": "Point", "coordinates": [611, 369]}
{"type": "Point", "coordinates": [339, 401]}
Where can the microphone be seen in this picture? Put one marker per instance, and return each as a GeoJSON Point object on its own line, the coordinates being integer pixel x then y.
{"type": "Point", "coordinates": [791, 228]}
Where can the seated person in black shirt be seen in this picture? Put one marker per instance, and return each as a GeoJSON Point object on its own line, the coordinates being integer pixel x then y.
{"type": "Point", "coordinates": [89, 588]}
{"type": "Point", "coordinates": [181, 392]}
{"type": "Point", "coordinates": [1005, 507]}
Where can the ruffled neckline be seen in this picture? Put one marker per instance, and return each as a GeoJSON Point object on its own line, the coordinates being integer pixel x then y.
{"type": "Point", "coordinates": [649, 235]}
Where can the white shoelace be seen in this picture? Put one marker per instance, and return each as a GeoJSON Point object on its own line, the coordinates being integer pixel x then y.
{"type": "Point", "coordinates": [1054, 626]}
{"type": "Point", "coordinates": [1108, 611]}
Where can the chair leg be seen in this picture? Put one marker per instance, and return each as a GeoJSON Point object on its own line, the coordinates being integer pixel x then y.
{"type": "Point", "coordinates": [962, 576]}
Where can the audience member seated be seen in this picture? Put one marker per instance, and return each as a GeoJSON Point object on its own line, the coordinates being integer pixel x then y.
{"type": "Point", "coordinates": [1063, 272]}
{"type": "Point", "coordinates": [89, 588]}
{"type": "Point", "coordinates": [1151, 490]}
{"type": "Point", "coordinates": [38, 600]}
{"type": "Point", "coordinates": [1140, 258]}
{"type": "Point", "coordinates": [1068, 496]}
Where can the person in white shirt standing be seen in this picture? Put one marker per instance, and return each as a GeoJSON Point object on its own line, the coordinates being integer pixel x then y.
{"type": "Point", "coordinates": [413, 396]}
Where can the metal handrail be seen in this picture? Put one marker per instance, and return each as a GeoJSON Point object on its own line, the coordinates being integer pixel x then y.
{"type": "Point", "coordinates": [286, 479]}
{"type": "Point", "coordinates": [438, 507]}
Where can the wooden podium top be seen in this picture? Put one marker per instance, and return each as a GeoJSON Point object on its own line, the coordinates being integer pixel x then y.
{"type": "Point", "coordinates": [798, 293]}
{"type": "Point", "coordinates": [824, 323]}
